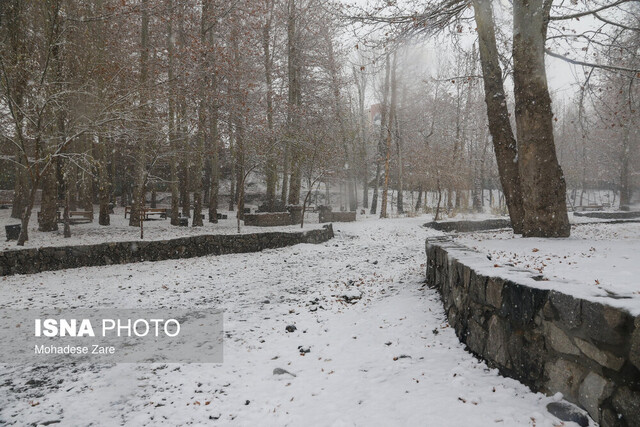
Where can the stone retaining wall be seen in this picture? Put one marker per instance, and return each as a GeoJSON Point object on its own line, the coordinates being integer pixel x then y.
{"type": "Point", "coordinates": [552, 342]}
{"type": "Point", "coordinates": [272, 219]}
{"type": "Point", "coordinates": [328, 216]}
{"type": "Point", "coordinates": [464, 226]}
{"type": "Point", "coordinates": [26, 261]}
{"type": "Point", "coordinates": [609, 215]}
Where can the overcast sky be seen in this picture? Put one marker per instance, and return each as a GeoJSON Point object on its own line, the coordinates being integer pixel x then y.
{"type": "Point", "coordinates": [561, 75]}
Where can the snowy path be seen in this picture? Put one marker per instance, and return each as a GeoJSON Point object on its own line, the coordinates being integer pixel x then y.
{"type": "Point", "coordinates": [349, 377]}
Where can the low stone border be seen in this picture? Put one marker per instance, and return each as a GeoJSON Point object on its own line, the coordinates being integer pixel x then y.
{"type": "Point", "coordinates": [465, 226]}
{"type": "Point", "coordinates": [327, 215]}
{"type": "Point", "coordinates": [552, 342]}
{"type": "Point", "coordinates": [27, 261]}
{"type": "Point", "coordinates": [268, 219]}
{"type": "Point", "coordinates": [609, 215]}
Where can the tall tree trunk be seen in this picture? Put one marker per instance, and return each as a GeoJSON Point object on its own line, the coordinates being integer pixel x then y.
{"type": "Point", "coordinates": [504, 143]}
{"type": "Point", "coordinates": [183, 136]}
{"type": "Point", "coordinates": [49, 203]}
{"type": "Point", "coordinates": [138, 202]}
{"type": "Point", "coordinates": [361, 85]}
{"type": "Point", "coordinates": [20, 188]}
{"type": "Point", "coordinates": [232, 150]}
{"type": "Point", "coordinates": [625, 179]}
{"type": "Point", "coordinates": [335, 83]}
{"type": "Point", "coordinates": [173, 144]}
{"type": "Point", "coordinates": [294, 101]}
{"type": "Point", "coordinates": [398, 137]}
{"type": "Point", "coordinates": [238, 119]}
{"type": "Point", "coordinates": [541, 178]}
{"type": "Point", "coordinates": [202, 119]}
{"type": "Point", "coordinates": [392, 112]}
{"type": "Point", "coordinates": [215, 147]}
{"type": "Point", "coordinates": [383, 133]}
{"type": "Point", "coordinates": [419, 201]}
{"type": "Point", "coordinates": [271, 171]}
{"type": "Point", "coordinates": [104, 191]}
{"type": "Point", "coordinates": [14, 20]}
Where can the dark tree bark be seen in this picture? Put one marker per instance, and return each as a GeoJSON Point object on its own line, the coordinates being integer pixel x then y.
{"type": "Point", "coordinates": [361, 85]}
{"type": "Point", "coordinates": [504, 142]}
{"type": "Point", "coordinates": [49, 204]}
{"type": "Point", "coordinates": [139, 197]}
{"type": "Point", "coordinates": [202, 119]}
{"type": "Point", "coordinates": [294, 100]}
{"type": "Point", "coordinates": [173, 143]}
{"type": "Point", "coordinates": [215, 148]}
{"type": "Point", "coordinates": [383, 133]}
{"type": "Point", "coordinates": [541, 179]}
{"type": "Point", "coordinates": [271, 170]}
{"type": "Point", "coordinates": [625, 179]}
{"type": "Point", "coordinates": [389, 136]}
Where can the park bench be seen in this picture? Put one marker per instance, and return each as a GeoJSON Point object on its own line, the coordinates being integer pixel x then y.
{"type": "Point", "coordinates": [590, 207]}
{"type": "Point", "coordinates": [75, 217]}
{"type": "Point", "coordinates": [5, 204]}
{"type": "Point", "coordinates": [162, 212]}
{"type": "Point", "coordinates": [147, 212]}
{"type": "Point", "coordinates": [79, 216]}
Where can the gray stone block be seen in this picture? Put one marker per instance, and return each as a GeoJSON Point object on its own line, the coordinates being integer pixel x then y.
{"type": "Point", "coordinates": [567, 309]}
{"type": "Point", "coordinates": [602, 357]}
{"type": "Point", "coordinates": [603, 324]}
{"type": "Point", "coordinates": [634, 351]}
{"type": "Point", "coordinates": [558, 340]}
{"type": "Point", "coordinates": [627, 403]}
{"type": "Point", "coordinates": [497, 349]}
{"type": "Point", "coordinates": [565, 377]}
{"type": "Point", "coordinates": [593, 391]}
{"type": "Point", "coordinates": [494, 292]}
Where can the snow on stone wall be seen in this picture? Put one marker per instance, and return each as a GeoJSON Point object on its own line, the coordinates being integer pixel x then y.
{"type": "Point", "coordinates": [26, 261]}
{"type": "Point", "coordinates": [552, 342]}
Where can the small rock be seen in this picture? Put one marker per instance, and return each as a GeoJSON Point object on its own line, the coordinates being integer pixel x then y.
{"type": "Point", "coordinates": [280, 371]}
{"type": "Point", "coordinates": [302, 349]}
{"type": "Point", "coordinates": [266, 301]}
{"type": "Point", "coordinates": [290, 328]}
{"type": "Point", "coordinates": [247, 402]}
{"type": "Point", "coordinates": [568, 412]}
{"type": "Point", "coordinates": [402, 356]}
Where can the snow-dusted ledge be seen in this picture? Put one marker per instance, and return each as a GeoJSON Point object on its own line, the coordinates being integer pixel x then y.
{"type": "Point", "coordinates": [587, 350]}
{"type": "Point", "coordinates": [26, 261]}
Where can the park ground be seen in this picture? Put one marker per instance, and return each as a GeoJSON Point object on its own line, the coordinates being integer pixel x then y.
{"type": "Point", "coordinates": [380, 349]}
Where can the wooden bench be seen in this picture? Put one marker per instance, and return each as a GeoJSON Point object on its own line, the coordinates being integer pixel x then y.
{"type": "Point", "coordinates": [590, 207]}
{"type": "Point", "coordinates": [4, 204]}
{"type": "Point", "coordinates": [80, 216]}
{"type": "Point", "coordinates": [147, 212]}
{"type": "Point", "coordinates": [75, 217]}
{"type": "Point", "coordinates": [162, 212]}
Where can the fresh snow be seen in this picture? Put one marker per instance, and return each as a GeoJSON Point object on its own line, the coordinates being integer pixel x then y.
{"type": "Point", "coordinates": [381, 351]}
{"type": "Point", "coordinates": [119, 229]}
{"type": "Point", "coordinates": [599, 262]}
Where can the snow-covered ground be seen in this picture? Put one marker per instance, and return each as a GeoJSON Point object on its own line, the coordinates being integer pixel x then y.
{"type": "Point", "coordinates": [598, 261]}
{"type": "Point", "coordinates": [119, 230]}
{"type": "Point", "coordinates": [386, 358]}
